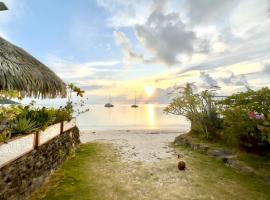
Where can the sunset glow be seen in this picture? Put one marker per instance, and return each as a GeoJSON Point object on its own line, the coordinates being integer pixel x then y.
{"type": "Point", "coordinates": [149, 90]}
{"type": "Point", "coordinates": [147, 49]}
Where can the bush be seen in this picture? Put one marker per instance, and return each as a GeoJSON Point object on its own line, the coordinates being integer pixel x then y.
{"type": "Point", "coordinates": [18, 119]}
{"type": "Point", "coordinates": [247, 120]}
{"type": "Point", "coordinates": [251, 100]}
{"type": "Point", "coordinates": [24, 126]}
{"type": "Point", "coordinates": [198, 108]}
{"type": "Point", "coordinates": [43, 117]}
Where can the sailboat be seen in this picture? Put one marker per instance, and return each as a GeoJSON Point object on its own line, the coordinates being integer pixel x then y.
{"type": "Point", "coordinates": [135, 101]}
{"type": "Point", "coordinates": [109, 104]}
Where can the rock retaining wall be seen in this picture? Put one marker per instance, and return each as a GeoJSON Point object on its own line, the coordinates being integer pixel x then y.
{"type": "Point", "coordinates": [20, 178]}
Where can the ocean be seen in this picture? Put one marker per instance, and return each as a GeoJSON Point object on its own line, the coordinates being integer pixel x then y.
{"type": "Point", "coordinates": [123, 117]}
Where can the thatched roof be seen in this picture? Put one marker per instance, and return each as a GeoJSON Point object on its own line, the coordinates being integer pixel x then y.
{"type": "Point", "coordinates": [22, 72]}
{"type": "Point", "coordinates": [3, 6]}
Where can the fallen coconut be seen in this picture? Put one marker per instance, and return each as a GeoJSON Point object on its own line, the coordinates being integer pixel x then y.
{"type": "Point", "coordinates": [181, 165]}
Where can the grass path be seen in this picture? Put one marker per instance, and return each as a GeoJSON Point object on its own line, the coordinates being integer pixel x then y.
{"type": "Point", "coordinates": [98, 173]}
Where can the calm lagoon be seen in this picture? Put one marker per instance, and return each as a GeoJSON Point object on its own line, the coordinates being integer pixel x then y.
{"type": "Point", "coordinates": [146, 116]}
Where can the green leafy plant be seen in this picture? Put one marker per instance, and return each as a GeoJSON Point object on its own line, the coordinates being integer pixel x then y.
{"type": "Point", "coordinates": [246, 120]}
{"type": "Point", "coordinates": [237, 124]}
{"type": "Point", "coordinates": [10, 94]}
{"type": "Point", "coordinates": [250, 100]}
{"type": "Point", "coordinates": [19, 119]}
{"type": "Point", "coordinates": [24, 126]}
{"type": "Point", "coordinates": [71, 89]}
{"type": "Point", "coordinates": [5, 135]}
{"type": "Point", "coordinates": [7, 116]}
{"type": "Point", "coordinates": [75, 109]}
{"type": "Point", "coordinates": [198, 108]}
{"type": "Point", "coordinates": [62, 115]}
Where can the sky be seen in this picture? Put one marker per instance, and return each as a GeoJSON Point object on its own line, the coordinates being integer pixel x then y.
{"type": "Point", "coordinates": [117, 47]}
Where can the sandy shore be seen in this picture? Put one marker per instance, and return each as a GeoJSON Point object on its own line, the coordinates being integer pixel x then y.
{"type": "Point", "coordinates": [141, 165]}
{"type": "Point", "coordinates": [136, 145]}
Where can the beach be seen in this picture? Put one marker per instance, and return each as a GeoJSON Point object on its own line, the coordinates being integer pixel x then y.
{"type": "Point", "coordinates": [142, 165]}
{"type": "Point", "coordinates": [136, 145]}
{"type": "Point", "coordinates": [135, 100]}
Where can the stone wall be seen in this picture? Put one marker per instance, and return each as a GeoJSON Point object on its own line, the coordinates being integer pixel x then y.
{"type": "Point", "coordinates": [26, 174]}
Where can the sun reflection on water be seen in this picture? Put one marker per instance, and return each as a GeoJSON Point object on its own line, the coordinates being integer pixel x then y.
{"type": "Point", "coordinates": [120, 117]}
{"type": "Point", "coordinates": [151, 116]}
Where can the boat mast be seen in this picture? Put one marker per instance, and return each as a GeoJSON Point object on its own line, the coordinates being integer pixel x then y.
{"type": "Point", "coordinates": [110, 98]}
{"type": "Point", "coordinates": [135, 100]}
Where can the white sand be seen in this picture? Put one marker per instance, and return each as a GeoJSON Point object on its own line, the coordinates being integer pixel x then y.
{"type": "Point", "coordinates": [136, 145]}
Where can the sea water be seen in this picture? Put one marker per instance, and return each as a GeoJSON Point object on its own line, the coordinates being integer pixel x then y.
{"type": "Point", "coordinates": [120, 117]}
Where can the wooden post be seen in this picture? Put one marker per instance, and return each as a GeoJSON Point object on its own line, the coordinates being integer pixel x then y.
{"type": "Point", "coordinates": [62, 128]}
{"type": "Point", "coordinates": [36, 140]}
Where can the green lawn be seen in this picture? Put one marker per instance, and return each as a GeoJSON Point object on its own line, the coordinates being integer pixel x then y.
{"type": "Point", "coordinates": [96, 172]}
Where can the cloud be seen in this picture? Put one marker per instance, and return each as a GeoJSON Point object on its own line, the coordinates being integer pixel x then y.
{"type": "Point", "coordinates": [160, 96]}
{"type": "Point", "coordinates": [266, 69]}
{"type": "Point", "coordinates": [129, 57]}
{"type": "Point", "coordinates": [207, 81]}
{"type": "Point", "coordinates": [125, 13]}
{"type": "Point", "coordinates": [174, 33]}
{"type": "Point", "coordinates": [233, 80]}
{"type": "Point", "coordinates": [70, 71]}
{"type": "Point", "coordinates": [164, 36]}
{"type": "Point", "coordinates": [167, 37]}
{"type": "Point", "coordinates": [209, 11]}
{"type": "Point", "coordinates": [92, 87]}
{"type": "Point", "coordinates": [103, 63]}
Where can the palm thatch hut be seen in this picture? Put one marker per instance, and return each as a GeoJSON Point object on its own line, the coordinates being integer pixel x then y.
{"type": "Point", "coordinates": [21, 72]}
{"type": "Point", "coordinates": [3, 6]}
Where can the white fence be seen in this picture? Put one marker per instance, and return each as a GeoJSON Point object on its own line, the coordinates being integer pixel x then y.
{"type": "Point", "coordinates": [49, 133]}
{"type": "Point", "coordinates": [20, 146]}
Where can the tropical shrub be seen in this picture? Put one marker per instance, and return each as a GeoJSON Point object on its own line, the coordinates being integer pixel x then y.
{"type": "Point", "coordinates": [198, 108]}
{"type": "Point", "coordinates": [62, 115]}
{"type": "Point", "coordinates": [7, 116]}
{"type": "Point", "coordinates": [251, 100]}
{"type": "Point", "coordinates": [5, 135]}
{"type": "Point", "coordinates": [246, 120]}
{"type": "Point", "coordinates": [75, 108]}
{"type": "Point", "coordinates": [24, 126]}
{"type": "Point", "coordinates": [18, 119]}
{"type": "Point", "coordinates": [43, 117]}
{"type": "Point", "coordinates": [242, 119]}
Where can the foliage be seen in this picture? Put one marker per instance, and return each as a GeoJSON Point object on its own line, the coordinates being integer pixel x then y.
{"type": "Point", "coordinates": [9, 94]}
{"type": "Point", "coordinates": [43, 117]}
{"type": "Point", "coordinates": [18, 119]}
{"type": "Point", "coordinates": [251, 100]}
{"type": "Point", "coordinates": [198, 108]}
{"type": "Point", "coordinates": [72, 88]}
{"type": "Point", "coordinates": [252, 134]}
{"type": "Point", "coordinates": [5, 135]}
{"type": "Point", "coordinates": [242, 119]}
{"type": "Point", "coordinates": [7, 116]}
{"type": "Point", "coordinates": [23, 126]}
{"type": "Point", "coordinates": [246, 119]}
{"type": "Point", "coordinates": [62, 115]}
{"type": "Point", "coordinates": [75, 108]}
